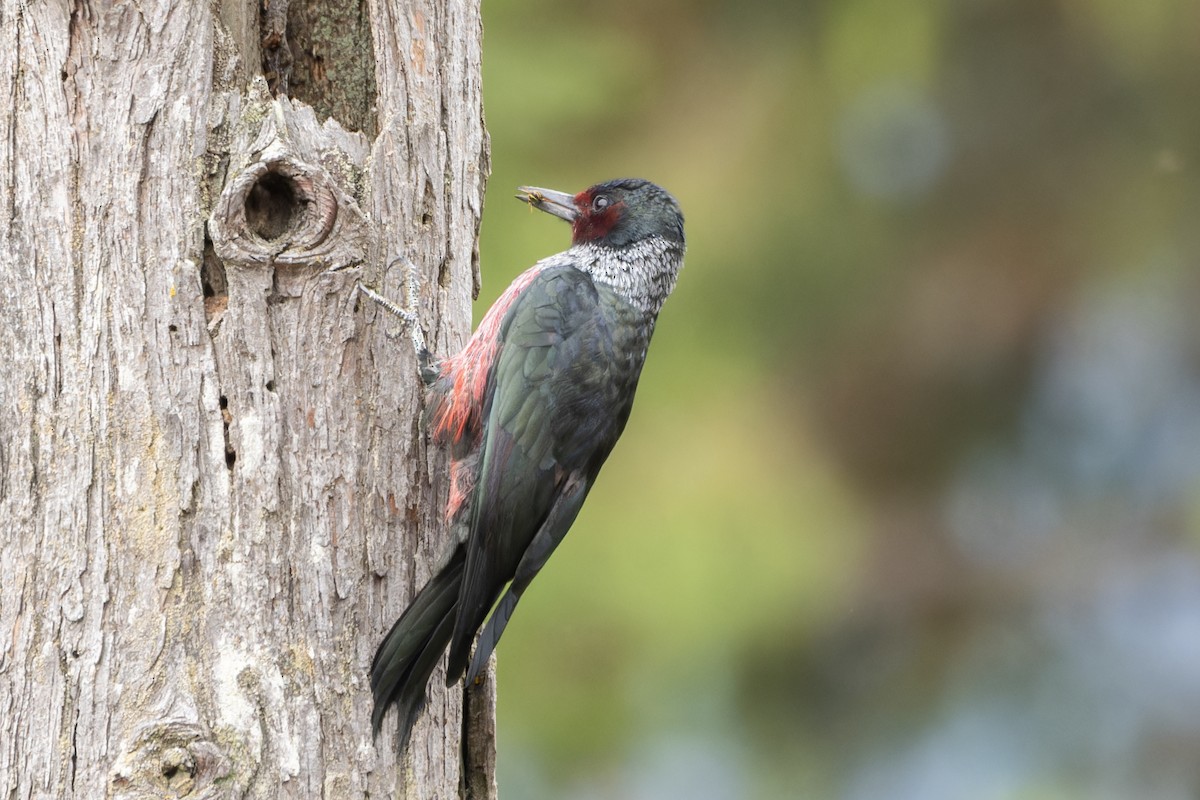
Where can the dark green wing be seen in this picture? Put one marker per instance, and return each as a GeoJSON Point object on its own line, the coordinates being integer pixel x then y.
{"type": "Point", "coordinates": [558, 397]}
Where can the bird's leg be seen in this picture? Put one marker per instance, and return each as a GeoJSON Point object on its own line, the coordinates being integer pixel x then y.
{"type": "Point", "coordinates": [408, 317]}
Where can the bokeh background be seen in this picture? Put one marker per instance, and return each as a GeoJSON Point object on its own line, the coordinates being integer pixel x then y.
{"type": "Point", "coordinates": [909, 505]}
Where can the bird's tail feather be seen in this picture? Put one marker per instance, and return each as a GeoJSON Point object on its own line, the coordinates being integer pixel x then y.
{"type": "Point", "coordinates": [405, 661]}
{"type": "Point", "coordinates": [491, 633]}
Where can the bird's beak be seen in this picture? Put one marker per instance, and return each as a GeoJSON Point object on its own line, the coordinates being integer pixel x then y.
{"type": "Point", "coordinates": [560, 204]}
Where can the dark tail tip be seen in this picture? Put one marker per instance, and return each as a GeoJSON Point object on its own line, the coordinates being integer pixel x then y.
{"type": "Point", "coordinates": [410, 652]}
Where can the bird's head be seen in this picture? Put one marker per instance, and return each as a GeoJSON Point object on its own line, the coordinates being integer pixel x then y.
{"type": "Point", "coordinates": [613, 214]}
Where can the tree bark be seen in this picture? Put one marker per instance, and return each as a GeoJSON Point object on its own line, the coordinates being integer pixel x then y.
{"type": "Point", "coordinates": [215, 496]}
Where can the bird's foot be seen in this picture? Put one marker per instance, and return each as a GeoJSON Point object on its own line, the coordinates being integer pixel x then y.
{"type": "Point", "coordinates": [407, 314]}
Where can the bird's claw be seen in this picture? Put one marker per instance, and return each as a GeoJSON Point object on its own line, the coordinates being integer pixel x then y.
{"type": "Point", "coordinates": [407, 314]}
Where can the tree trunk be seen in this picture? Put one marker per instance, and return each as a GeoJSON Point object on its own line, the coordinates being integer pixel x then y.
{"type": "Point", "coordinates": [214, 494]}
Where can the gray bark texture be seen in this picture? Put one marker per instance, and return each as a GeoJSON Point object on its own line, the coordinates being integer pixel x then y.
{"type": "Point", "coordinates": [214, 494]}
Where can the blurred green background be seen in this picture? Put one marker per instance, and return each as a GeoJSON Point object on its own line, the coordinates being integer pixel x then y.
{"type": "Point", "coordinates": [909, 505]}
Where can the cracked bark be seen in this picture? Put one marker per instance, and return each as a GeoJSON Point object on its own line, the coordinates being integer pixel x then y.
{"type": "Point", "coordinates": [213, 492]}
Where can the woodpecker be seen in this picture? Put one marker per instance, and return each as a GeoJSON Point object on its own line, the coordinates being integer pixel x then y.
{"type": "Point", "coordinates": [528, 412]}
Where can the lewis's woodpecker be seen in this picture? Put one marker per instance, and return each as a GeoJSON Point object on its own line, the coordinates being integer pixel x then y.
{"type": "Point", "coordinates": [529, 410]}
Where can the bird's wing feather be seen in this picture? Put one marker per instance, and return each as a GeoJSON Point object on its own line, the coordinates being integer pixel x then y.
{"type": "Point", "coordinates": [557, 398]}
{"type": "Point", "coordinates": [558, 522]}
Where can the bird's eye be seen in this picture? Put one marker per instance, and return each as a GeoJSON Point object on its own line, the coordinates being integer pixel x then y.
{"type": "Point", "coordinates": [600, 203]}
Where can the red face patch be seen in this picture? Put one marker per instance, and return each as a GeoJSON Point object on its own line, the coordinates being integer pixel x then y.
{"type": "Point", "coordinates": [592, 225]}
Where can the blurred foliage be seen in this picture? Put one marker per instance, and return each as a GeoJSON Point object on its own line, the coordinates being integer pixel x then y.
{"type": "Point", "coordinates": [908, 503]}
